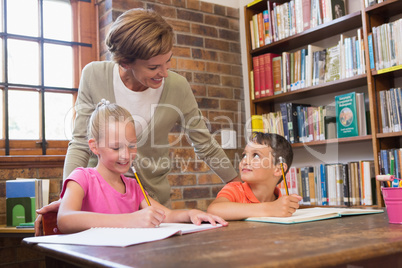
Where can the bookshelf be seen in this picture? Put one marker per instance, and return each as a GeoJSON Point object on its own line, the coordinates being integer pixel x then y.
{"type": "Point", "coordinates": [372, 82]}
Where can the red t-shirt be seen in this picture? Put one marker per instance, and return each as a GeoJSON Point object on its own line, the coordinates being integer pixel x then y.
{"type": "Point", "coordinates": [240, 192]}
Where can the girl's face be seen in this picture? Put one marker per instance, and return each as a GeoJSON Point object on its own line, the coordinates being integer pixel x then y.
{"type": "Point", "coordinates": [117, 148]}
{"type": "Point", "coordinates": [150, 73]}
{"type": "Point", "coordinates": [257, 164]}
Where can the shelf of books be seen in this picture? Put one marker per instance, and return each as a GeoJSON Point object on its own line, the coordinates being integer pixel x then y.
{"type": "Point", "coordinates": [330, 74]}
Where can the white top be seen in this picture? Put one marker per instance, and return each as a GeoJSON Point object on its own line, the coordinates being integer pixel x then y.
{"type": "Point", "coordinates": [141, 105]}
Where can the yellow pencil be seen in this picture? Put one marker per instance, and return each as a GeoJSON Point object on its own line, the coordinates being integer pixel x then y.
{"type": "Point", "coordinates": [283, 175]}
{"type": "Point", "coordinates": [142, 188]}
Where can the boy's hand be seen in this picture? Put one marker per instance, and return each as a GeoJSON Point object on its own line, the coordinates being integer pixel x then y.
{"type": "Point", "coordinates": [198, 216]}
{"type": "Point", "coordinates": [285, 206]}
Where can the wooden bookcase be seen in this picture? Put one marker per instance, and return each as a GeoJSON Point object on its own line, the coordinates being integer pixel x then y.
{"type": "Point", "coordinates": [365, 18]}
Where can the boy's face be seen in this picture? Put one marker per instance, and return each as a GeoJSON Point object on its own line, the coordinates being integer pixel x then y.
{"type": "Point", "coordinates": [257, 164]}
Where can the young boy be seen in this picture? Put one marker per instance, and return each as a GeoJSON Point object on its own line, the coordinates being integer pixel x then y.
{"type": "Point", "coordinates": [257, 195]}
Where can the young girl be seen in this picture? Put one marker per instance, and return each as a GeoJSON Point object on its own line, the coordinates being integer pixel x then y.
{"type": "Point", "coordinates": [102, 196]}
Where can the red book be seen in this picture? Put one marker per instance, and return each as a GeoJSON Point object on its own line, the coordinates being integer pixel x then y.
{"type": "Point", "coordinates": [257, 84]}
{"type": "Point", "coordinates": [269, 80]}
{"type": "Point", "coordinates": [263, 91]}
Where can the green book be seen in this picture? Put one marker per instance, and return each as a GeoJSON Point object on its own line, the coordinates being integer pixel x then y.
{"type": "Point", "coordinates": [346, 115]}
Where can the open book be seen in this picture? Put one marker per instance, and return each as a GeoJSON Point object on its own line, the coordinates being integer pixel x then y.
{"type": "Point", "coordinates": [315, 214]}
{"type": "Point", "coordinates": [121, 237]}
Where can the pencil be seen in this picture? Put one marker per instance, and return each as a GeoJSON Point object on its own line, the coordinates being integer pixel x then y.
{"type": "Point", "coordinates": [142, 188]}
{"type": "Point", "coordinates": [283, 175]}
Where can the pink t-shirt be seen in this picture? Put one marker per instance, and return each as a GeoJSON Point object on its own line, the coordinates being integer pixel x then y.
{"type": "Point", "coordinates": [101, 197]}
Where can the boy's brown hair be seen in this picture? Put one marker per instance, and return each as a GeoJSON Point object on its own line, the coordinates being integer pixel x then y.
{"type": "Point", "coordinates": [280, 147]}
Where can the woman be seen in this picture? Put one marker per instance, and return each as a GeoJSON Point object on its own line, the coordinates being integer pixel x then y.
{"type": "Point", "coordinates": [139, 80]}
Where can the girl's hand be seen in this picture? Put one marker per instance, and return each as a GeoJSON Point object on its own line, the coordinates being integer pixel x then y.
{"type": "Point", "coordinates": [198, 216]}
{"type": "Point", "coordinates": [148, 217]}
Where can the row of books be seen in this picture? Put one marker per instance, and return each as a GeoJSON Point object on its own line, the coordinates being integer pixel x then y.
{"type": "Point", "coordinates": [305, 123]}
{"type": "Point", "coordinates": [337, 184]}
{"type": "Point", "coordinates": [275, 74]}
{"type": "Point", "coordinates": [290, 18]}
{"type": "Point", "coordinates": [391, 110]}
{"type": "Point", "coordinates": [373, 2]}
{"type": "Point", "coordinates": [391, 161]}
{"type": "Point", "coordinates": [385, 45]}
{"type": "Point", "coordinates": [23, 197]}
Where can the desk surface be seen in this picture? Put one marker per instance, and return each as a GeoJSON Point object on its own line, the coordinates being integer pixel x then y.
{"type": "Point", "coordinates": [334, 242]}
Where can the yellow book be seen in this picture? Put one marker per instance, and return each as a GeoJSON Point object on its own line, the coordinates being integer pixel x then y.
{"type": "Point", "coordinates": [257, 123]}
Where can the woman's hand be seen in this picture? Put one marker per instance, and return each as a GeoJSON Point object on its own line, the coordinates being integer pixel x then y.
{"type": "Point", "coordinates": [52, 207]}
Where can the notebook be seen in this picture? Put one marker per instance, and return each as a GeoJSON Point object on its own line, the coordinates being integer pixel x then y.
{"type": "Point", "coordinates": [315, 214]}
{"type": "Point", "coordinates": [121, 237]}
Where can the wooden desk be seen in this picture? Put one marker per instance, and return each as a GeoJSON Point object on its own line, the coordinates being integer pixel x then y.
{"type": "Point", "coordinates": [367, 240]}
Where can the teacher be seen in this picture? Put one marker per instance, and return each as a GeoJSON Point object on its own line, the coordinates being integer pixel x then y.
{"type": "Point", "coordinates": [140, 42]}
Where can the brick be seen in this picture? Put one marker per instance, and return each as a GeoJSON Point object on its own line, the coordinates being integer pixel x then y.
{"type": "Point", "coordinates": [229, 35]}
{"type": "Point", "coordinates": [199, 90]}
{"type": "Point", "coordinates": [230, 105]}
{"type": "Point", "coordinates": [189, 15]}
{"type": "Point", "coordinates": [174, 140]}
{"type": "Point", "coordinates": [234, 47]}
{"type": "Point", "coordinates": [215, 190]}
{"type": "Point", "coordinates": [221, 116]}
{"type": "Point", "coordinates": [11, 174]}
{"type": "Point", "coordinates": [204, 30]}
{"type": "Point", "coordinates": [165, 2]}
{"type": "Point", "coordinates": [232, 81]}
{"type": "Point", "coordinates": [233, 12]}
{"type": "Point", "coordinates": [123, 5]}
{"type": "Point", "coordinates": [205, 78]}
{"type": "Point", "coordinates": [179, 3]}
{"type": "Point", "coordinates": [183, 152]}
{"type": "Point", "coordinates": [207, 103]}
{"type": "Point", "coordinates": [187, 75]}
{"type": "Point", "coordinates": [220, 10]}
{"type": "Point", "coordinates": [179, 26]}
{"type": "Point", "coordinates": [163, 10]}
{"type": "Point", "coordinates": [236, 70]}
{"type": "Point", "coordinates": [204, 54]}
{"type": "Point", "coordinates": [178, 205]}
{"type": "Point", "coordinates": [220, 92]}
{"type": "Point", "coordinates": [55, 186]}
{"type": "Point", "coordinates": [193, 4]}
{"type": "Point", "coordinates": [181, 180]}
{"type": "Point", "coordinates": [232, 58]}
{"type": "Point", "coordinates": [216, 20]}
{"type": "Point", "coordinates": [216, 44]}
{"type": "Point", "coordinates": [190, 204]}
{"type": "Point", "coordinates": [195, 166]}
{"type": "Point", "coordinates": [175, 194]}
{"type": "Point", "coordinates": [238, 94]}
{"type": "Point", "coordinates": [234, 24]}
{"type": "Point", "coordinates": [190, 64]}
{"type": "Point", "coordinates": [207, 7]}
{"type": "Point", "coordinates": [45, 173]}
{"type": "Point", "coordinates": [2, 188]}
{"type": "Point", "coordinates": [203, 204]}
{"type": "Point", "coordinates": [211, 178]}
{"type": "Point", "coordinates": [196, 192]}
{"type": "Point", "coordinates": [189, 40]}
{"type": "Point", "coordinates": [181, 52]}
{"type": "Point", "coordinates": [214, 67]}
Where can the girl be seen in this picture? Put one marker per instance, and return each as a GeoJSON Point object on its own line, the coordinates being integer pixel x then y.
{"type": "Point", "coordinates": [103, 196]}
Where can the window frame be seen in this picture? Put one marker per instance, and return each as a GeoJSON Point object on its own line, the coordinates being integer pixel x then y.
{"type": "Point", "coordinates": [85, 42]}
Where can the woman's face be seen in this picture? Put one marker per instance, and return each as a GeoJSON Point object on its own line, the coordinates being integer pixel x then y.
{"type": "Point", "coordinates": [150, 73]}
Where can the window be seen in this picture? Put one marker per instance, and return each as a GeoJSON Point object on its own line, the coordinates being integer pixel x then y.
{"type": "Point", "coordinates": [43, 51]}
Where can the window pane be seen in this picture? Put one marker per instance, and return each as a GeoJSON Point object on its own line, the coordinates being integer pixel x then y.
{"type": "Point", "coordinates": [57, 18]}
{"type": "Point", "coordinates": [22, 17]}
{"type": "Point", "coordinates": [23, 114]}
{"type": "Point", "coordinates": [58, 65]}
{"type": "Point", "coordinates": [59, 116]}
{"type": "Point", "coordinates": [23, 62]}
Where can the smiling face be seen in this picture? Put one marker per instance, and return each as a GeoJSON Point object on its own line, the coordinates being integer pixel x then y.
{"type": "Point", "coordinates": [116, 149]}
{"type": "Point", "coordinates": [257, 164]}
{"type": "Point", "coordinates": [150, 73]}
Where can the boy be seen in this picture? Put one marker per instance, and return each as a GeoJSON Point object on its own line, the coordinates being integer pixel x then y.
{"type": "Point", "coordinates": [257, 195]}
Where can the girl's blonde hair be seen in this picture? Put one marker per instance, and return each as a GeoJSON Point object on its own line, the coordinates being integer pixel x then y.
{"type": "Point", "coordinates": [105, 113]}
{"type": "Point", "coordinates": [139, 34]}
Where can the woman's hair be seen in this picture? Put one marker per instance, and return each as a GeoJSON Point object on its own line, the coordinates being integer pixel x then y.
{"type": "Point", "coordinates": [139, 34]}
{"type": "Point", "coordinates": [105, 113]}
{"type": "Point", "coordinates": [280, 146]}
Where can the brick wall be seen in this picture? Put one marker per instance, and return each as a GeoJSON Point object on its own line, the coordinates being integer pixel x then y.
{"type": "Point", "coordinates": [206, 52]}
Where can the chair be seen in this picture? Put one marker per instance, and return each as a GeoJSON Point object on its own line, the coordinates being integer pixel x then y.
{"type": "Point", "coordinates": [49, 223]}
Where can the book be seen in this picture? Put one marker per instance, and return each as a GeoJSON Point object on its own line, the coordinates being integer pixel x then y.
{"type": "Point", "coordinates": [347, 125]}
{"type": "Point", "coordinates": [338, 8]}
{"type": "Point", "coordinates": [257, 123]}
{"type": "Point", "coordinates": [332, 72]}
{"type": "Point", "coordinates": [257, 75]}
{"type": "Point", "coordinates": [121, 237]}
{"type": "Point", "coordinates": [315, 214]}
{"type": "Point", "coordinates": [268, 73]}
{"type": "Point", "coordinates": [277, 74]}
